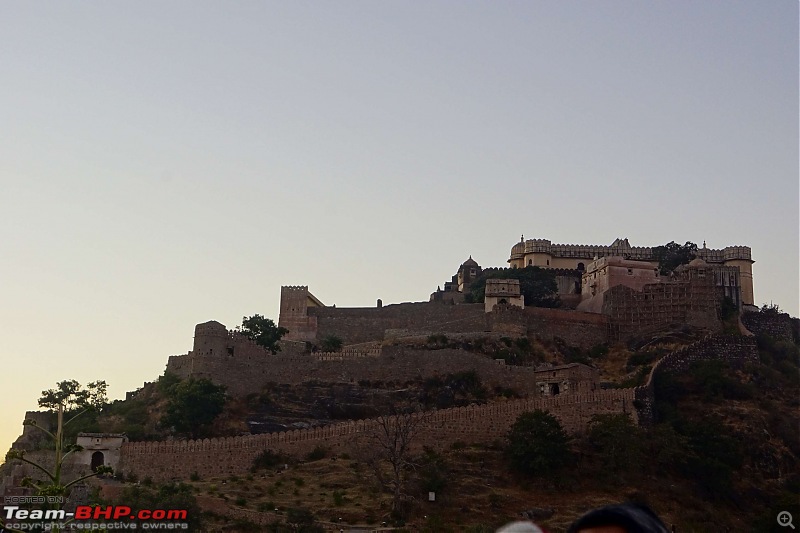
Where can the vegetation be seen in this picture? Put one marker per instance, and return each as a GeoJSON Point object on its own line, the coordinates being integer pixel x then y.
{"type": "Point", "coordinates": [672, 255]}
{"type": "Point", "coordinates": [453, 390]}
{"type": "Point", "coordinates": [617, 441]}
{"type": "Point", "coordinates": [167, 496]}
{"type": "Point", "coordinates": [537, 444]}
{"type": "Point", "coordinates": [263, 331]}
{"type": "Point", "coordinates": [537, 285]}
{"type": "Point", "coordinates": [331, 343]}
{"type": "Point", "coordinates": [771, 309]}
{"type": "Point", "coordinates": [193, 405]}
{"type": "Point", "coordinates": [390, 457]}
{"type": "Point", "coordinates": [68, 401]}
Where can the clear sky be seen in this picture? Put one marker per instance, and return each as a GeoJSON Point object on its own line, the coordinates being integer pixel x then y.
{"type": "Point", "coordinates": [167, 163]}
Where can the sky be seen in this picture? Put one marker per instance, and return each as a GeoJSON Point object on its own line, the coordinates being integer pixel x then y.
{"type": "Point", "coordinates": [164, 164]}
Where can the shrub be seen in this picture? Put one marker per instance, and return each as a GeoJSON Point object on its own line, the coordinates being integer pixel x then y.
{"type": "Point", "coordinates": [640, 358]}
{"type": "Point", "coordinates": [537, 444]}
{"type": "Point", "coordinates": [618, 443]}
{"type": "Point", "coordinates": [268, 459]}
{"type": "Point", "coordinates": [331, 343]}
{"type": "Point", "coordinates": [438, 339]}
{"type": "Point", "coordinates": [317, 453]}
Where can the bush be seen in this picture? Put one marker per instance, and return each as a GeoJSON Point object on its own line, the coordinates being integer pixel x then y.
{"type": "Point", "coordinates": [641, 358]}
{"type": "Point", "coordinates": [537, 444]}
{"type": "Point", "coordinates": [317, 453]}
{"type": "Point", "coordinates": [438, 339]}
{"type": "Point", "coordinates": [268, 459]}
{"type": "Point", "coordinates": [618, 442]}
{"type": "Point", "coordinates": [598, 351]}
{"type": "Point", "coordinates": [331, 343]}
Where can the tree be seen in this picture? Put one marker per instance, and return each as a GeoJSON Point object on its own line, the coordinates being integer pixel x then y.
{"type": "Point", "coordinates": [771, 309]}
{"type": "Point", "coordinates": [193, 405]}
{"type": "Point", "coordinates": [672, 255]}
{"type": "Point", "coordinates": [390, 456]}
{"type": "Point", "coordinates": [331, 343]}
{"type": "Point", "coordinates": [263, 331]}
{"type": "Point", "coordinates": [618, 442]}
{"type": "Point", "coordinates": [68, 400]}
{"type": "Point", "coordinates": [538, 444]}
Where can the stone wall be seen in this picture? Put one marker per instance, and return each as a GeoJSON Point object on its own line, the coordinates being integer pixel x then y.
{"type": "Point", "coordinates": [734, 349]}
{"type": "Point", "coordinates": [481, 424]}
{"type": "Point", "coordinates": [295, 302]}
{"type": "Point", "coordinates": [577, 329]}
{"type": "Point", "coordinates": [361, 324]}
{"type": "Point", "coordinates": [779, 325]}
{"type": "Point", "coordinates": [243, 375]}
{"type": "Point", "coordinates": [672, 302]}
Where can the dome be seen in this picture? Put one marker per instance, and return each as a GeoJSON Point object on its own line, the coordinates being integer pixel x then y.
{"type": "Point", "coordinates": [518, 248]}
{"type": "Point", "coordinates": [697, 262]}
{"type": "Point", "coordinates": [469, 263]}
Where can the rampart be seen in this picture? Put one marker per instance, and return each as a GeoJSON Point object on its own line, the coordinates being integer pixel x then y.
{"type": "Point", "coordinates": [621, 248]}
{"type": "Point", "coordinates": [577, 329]}
{"type": "Point", "coordinates": [736, 350]}
{"type": "Point", "coordinates": [660, 304]}
{"type": "Point", "coordinates": [778, 325]}
{"type": "Point", "coordinates": [477, 423]}
{"type": "Point", "coordinates": [362, 324]}
{"type": "Point", "coordinates": [398, 364]}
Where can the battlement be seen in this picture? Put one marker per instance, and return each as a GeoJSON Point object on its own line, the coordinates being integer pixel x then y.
{"type": "Point", "coordinates": [619, 247]}
{"type": "Point", "coordinates": [301, 288]}
{"type": "Point", "coordinates": [544, 254]}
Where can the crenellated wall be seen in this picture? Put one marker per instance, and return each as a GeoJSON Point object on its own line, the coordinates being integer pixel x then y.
{"type": "Point", "coordinates": [734, 349]}
{"type": "Point", "coordinates": [438, 429]}
{"type": "Point", "coordinates": [243, 375]}
{"type": "Point", "coordinates": [778, 325]}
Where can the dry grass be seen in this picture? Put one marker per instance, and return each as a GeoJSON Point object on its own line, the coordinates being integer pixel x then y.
{"type": "Point", "coordinates": [481, 494]}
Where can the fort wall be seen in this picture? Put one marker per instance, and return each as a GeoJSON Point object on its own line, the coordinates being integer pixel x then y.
{"type": "Point", "coordinates": [295, 302]}
{"type": "Point", "coordinates": [243, 375]}
{"type": "Point", "coordinates": [685, 302]}
{"type": "Point", "coordinates": [779, 325]}
{"type": "Point", "coordinates": [163, 461]}
{"type": "Point", "coordinates": [733, 349]}
{"type": "Point", "coordinates": [362, 324]}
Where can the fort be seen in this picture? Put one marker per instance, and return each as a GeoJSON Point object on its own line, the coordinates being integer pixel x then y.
{"type": "Point", "coordinates": [619, 294]}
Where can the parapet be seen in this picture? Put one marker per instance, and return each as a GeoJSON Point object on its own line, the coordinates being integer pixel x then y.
{"type": "Point", "coordinates": [502, 287]}
{"type": "Point", "coordinates": [211, 328]}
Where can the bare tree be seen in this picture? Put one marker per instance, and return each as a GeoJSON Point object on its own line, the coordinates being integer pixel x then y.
{"type": "Point", "coordinates": [389, 451]}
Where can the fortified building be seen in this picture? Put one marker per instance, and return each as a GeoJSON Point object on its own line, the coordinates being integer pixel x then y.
{"type": "Point", "coordinates": [732, 265]}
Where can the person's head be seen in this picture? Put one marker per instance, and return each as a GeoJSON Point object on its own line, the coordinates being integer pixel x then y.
{"type": "Point", "coordinates": [623, 518]}
{"type": "Point", "coordinates": [521, 526]}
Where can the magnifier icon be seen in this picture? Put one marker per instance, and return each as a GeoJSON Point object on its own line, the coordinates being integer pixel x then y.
{"type": "Point", "coordinates": [785, 519]}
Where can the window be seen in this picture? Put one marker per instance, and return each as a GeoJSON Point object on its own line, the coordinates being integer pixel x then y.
{"type": "Point", "coordinates": [581, 266]}
{"type": "Point", "coordinates": [530, 262]}
{"type": "Point", "coordinates": [630, 272]}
